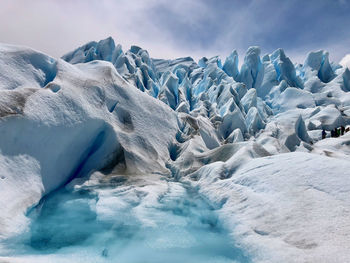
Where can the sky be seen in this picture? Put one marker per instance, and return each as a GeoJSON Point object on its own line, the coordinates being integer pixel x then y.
{"type": "Point", "coordinates": [175, 28]}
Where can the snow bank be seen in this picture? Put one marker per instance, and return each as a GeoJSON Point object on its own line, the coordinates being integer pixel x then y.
{"type": "Point", "coordinates": [86, 118]}
{"type": "Point", "coordinates": [286, 208]}
{"type": "Point", "coordinates": [102, 109]}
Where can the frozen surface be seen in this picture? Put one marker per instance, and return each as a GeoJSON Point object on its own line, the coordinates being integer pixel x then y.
{"type": "Point", "coordinates": [125, 219]}
{"type": "Point", "coordinates": [107, 150]}
{"type": "Point", "coordinates": [86, 118]}
{"type": "Point", "coordinates": [291, 207]}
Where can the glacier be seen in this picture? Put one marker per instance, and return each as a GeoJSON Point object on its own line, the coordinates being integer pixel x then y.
{"type": "Point", "coordinates": [109, 155]}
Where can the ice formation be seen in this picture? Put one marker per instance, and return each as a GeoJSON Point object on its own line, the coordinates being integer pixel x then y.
{"type": "Point", "coordinates": [121, 140]}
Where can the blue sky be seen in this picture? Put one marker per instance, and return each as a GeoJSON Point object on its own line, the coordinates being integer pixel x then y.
{"type": "Point", "coordinates": [171, 29]}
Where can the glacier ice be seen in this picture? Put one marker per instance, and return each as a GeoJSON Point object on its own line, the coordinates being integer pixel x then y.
{"type": "Point", "coordinates": [88, 122]}
{"type": "Point", "coordinates": [299, 182]}
{"type": "Point", "coordinates": [127, 219]}
{"type": "Point", "coordinates": [231, 65]}
{"type": "Point", "coordinates": [252, 70]}
{"type": "Point", "coordinates": [285, 69]}
{"type": "Point", "coordinates": [105, 150]}
{"type": "Point", "coordinates": [318, 62]}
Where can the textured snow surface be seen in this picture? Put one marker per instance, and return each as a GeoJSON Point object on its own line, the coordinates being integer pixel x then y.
{"type": "Point", "coordinates": [291, 207]}
{"type": "Point", "coordinates": [86, 118]}
{"type": "Point", "coordinates": [106, 150]}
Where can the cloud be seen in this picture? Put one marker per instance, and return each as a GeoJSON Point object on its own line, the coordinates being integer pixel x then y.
{"type": "Point", "coordinates": [171, 29]}
{"type": "Point", "coordinates": [56, 27]}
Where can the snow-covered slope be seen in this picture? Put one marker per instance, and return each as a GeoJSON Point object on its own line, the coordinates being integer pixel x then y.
{"type": "Point", "coordinates": [292, 207]}
{"type": "Point", "coordinates": [248, 139]}
{"type": "Point", "coordinates": [83, 118]}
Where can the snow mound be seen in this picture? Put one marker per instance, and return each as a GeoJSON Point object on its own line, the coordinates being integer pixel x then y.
{"type": "Point", "coordinates": [248, 139]}
{"type": "Point", "coordinates": [308, 223]}
{"type": "Point", "coordinates": [86, 118]}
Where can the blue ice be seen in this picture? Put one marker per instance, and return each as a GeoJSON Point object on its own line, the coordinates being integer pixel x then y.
{"type": "Point", "coordinates": [184, 227]}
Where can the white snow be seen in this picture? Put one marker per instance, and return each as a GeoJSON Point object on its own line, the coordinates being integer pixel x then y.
{"type": "Point", "coordinates": [85, 119]}
{"type": "Point", "coordinates": [290, 207]}
{"type": "Point", "coordinates": [107, 141]}
{"type": "Point", "coordinates": [345, 61]}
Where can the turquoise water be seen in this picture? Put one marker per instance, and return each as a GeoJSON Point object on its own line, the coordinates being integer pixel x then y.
{"type": "Point", "coordinates": [126, 219]}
